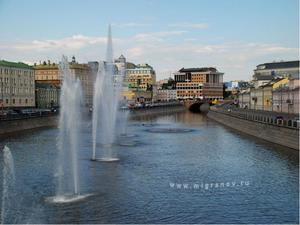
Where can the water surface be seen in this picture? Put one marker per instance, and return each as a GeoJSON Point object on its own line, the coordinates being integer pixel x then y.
{"type": "Point", "coordinates": [146, 185]}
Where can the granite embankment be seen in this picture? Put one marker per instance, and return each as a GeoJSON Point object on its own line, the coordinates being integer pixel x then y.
{"type": "Point", "coordinates": [27, 123]}
{"type": "Point", "coordinates": [157, 110]}
{"type": "Point", "coordinates": [276, 129]}
{"type": "Point", "coordinates": [22, 123]}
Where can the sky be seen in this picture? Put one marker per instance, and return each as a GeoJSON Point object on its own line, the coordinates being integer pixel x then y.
{"type": "Point", "coordinates": [232, 35]}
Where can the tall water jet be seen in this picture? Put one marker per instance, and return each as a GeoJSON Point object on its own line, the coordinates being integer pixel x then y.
{"type": "Point", "coordinates": [68, 188]}
{"type": "Point", "coordinates": [8, 184]}
{"type": "Point", "coordinates": [105, 105]}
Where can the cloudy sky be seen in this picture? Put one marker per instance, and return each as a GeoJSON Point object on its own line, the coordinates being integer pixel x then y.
{"type": "Point", "coordinates": [232, 35]}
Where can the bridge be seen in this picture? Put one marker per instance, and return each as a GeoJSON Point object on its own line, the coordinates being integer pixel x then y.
{"type": "Point", "coordinates": [197, 105]}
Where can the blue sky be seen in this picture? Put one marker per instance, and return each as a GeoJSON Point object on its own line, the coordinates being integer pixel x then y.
{"type": "Point", "coordinates": [233, 35]}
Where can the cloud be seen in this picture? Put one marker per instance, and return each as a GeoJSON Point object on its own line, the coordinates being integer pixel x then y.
{"type": "Point", "coordinates": [190, 25]}
{"type": "Point", "coordinates": [135, 52]}
{"type": "Point", "coordinates": [131, 24]}
{"type": "Point", "coordinates": [157, 36]}
{"type": "Point", "coordinates": [74, 42]}
{"type": "Point", "coordinates": [237, 60]}
{"type": "Point", "coordinates": [164, 50]}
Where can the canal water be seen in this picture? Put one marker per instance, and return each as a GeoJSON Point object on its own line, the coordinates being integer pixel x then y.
{"type": "Point", "coordinates": [177, 168]}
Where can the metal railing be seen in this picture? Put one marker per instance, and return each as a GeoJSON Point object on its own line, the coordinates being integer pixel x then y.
{"type": "Point", "coordinates": [266, 117]}
{"type": "Point", "coordinates": [19, 116]}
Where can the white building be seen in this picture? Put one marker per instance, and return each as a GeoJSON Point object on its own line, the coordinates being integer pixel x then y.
{"type": "Point", "coordinates": [17, 87]}
{"type": "Point", "coordinates": [166, 95]}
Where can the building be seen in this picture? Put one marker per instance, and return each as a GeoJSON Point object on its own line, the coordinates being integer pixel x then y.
{"type": "Point", "coordinates": [279, 95]}
{"type": "Point", "coordinates": [244, 99]}
{"type": "Point", "coordinates": [46, 96]}
{"type": "Point", "coordinates": [236, 85]}
{"type": "Point", "coordinates": [121, 65]}
{"type": "Point", "coordinates": [140, 81]}
{"type": "Point", "coordinates": [166, 95]}
{"type": "Point", "coordinates": [16, 85]}
{"type": "Point", "coordinates": [285, 97]}
{"type": "Point", "coordinates": [261, 97]}
{"type": "Point", "coordinates": [48, 73]}
{"type": "Point", "coordinates": [142, 77]}
{"type": "Point", "coordinates": [199, 83]}
{"type": "Point", "coordinates": [266, 72]}
{"type": "Point", "coordinates": [134, 96]}
{"type": "Point", "coordinates": [84, 74]}
{"type": "Point", "coordinates": [161, 83]}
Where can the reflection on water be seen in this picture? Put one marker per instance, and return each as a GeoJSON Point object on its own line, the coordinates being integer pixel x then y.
{"type": "Point", "coordinates": [210, 175]}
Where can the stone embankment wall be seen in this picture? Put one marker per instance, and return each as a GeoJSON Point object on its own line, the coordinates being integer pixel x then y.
{"type": "Point", "coordinates": [156, 110]}
{"type": "Point", "coordinates": [275, 133]}
{"type": "Point", "coordinates": [17, 125]}
{"type": "Point", "coordinates": [22, 124]}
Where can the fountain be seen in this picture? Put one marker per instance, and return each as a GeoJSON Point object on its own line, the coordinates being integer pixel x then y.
{"type": "Point", "coordinates": [105, 105]}
{"type": "Point", "coordinates": [8, 186]}
{"type": "Point", "coordinates": [68, 188]}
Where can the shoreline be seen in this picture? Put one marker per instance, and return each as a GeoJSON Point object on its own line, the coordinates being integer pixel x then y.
{"type": "Point", "coordinates": [14, 126]}
{"type": "Point", "coordinates": [274, 133]}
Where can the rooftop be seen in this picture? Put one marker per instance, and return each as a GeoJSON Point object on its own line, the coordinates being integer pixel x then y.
{"type": "Point", "coordinates": [262, 77]}
{"type": "Point", "coordinates": [55, 66]}
{"type": "Point", "coordinates": [202, 69]}
{"type": "Point", "coordinates": [15, 64]}
{"type": "Point", "coordinates": [279, 65]}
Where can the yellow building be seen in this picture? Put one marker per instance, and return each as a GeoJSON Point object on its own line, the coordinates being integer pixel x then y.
{"type": "Point", "coordinates": [281, 83]}
{"type": "Point", "coordinates": [16, 85]}
{"type": "Point", "coordinates": [48, 73]}
{"type": "Point", "coordinates": [134, 96]}
{"type": "Point", "coordinates": [142, 77]}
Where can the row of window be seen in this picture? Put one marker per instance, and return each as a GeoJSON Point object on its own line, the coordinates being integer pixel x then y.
{"type": "Point", "coordinates": [16, 72]}
{"type": "Point", "coordinates": [46, 72]}
{"type": "Point", "coordinates": [13, 101]}
{"type": "Point", "coordinates": [199, 87]}
{"type": "Point", "coordinates": [14, 90]}
{"type": "Point", "coordinates": [141, 81]}
{"type": "Point", "coordinates": [139, 72]}
{"type": "Point", "coordinates": [47, 77]}
{"type": "Point", "coordinates": [15, 81]}
{"type": "Point", "coordinates": [182, 92]}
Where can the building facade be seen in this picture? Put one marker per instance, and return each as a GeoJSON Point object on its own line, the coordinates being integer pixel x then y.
{"type": "Point", "coordinates": [140, 83]}
{"type": "Point", "coordinates": [48, 73]}
{"type": "Point", "coordinates": [166, 95]}
{"type": "Point", "coordinates": [121, 65]}
{"type": "Point", "coordinates": [285, 97]}
{"type": "Point", "coordinates": [236, 85]}
{"type": "Point", "coordinates": [142, 77]}
{"type": "Point", "coordinates": [16, 85]}
{"type": "Point", "coordinates": [47, 96]}
{"type": "Point", "coordinates": [199, 83]}
{"type": "Point", "coordinates": [134, 96]}
{"type": "Point", "coordinates": [266, 72]}
{"type": "Point", "coordinates": [279, 95]}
